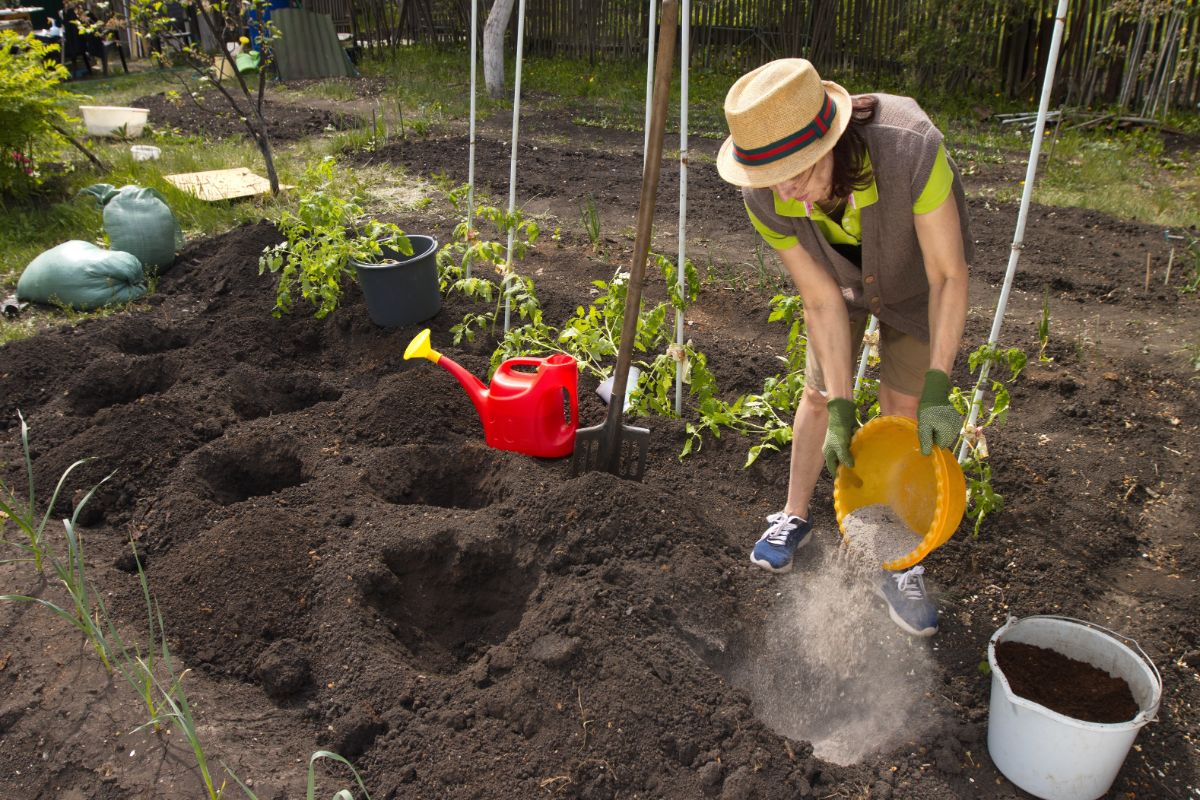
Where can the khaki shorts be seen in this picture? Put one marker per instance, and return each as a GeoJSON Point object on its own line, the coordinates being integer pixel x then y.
{"type": "Point", "coordinates": [903, 360]}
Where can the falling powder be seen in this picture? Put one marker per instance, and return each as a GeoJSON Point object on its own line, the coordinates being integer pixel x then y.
{"type": "Point", "coordinates": [829, 666]}
{"type": "Point", "coordinates": [876, 534]}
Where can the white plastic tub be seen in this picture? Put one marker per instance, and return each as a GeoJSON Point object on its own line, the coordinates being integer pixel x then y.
{"type": "Point", "coordinates": [145, 152]}
{"type": "Point", "coordinates": [114, 120]}
{"type": "Point", "coordinates": [1056, 757]}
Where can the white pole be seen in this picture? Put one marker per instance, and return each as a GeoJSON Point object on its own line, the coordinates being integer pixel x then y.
{"type": "Point", "coordinates": [872, 326]}
{"type": "Point", "coordinates": [652, 14]}
{"type": "Point", "coordinates": [681, 279]}
{"type": "Point", "coordinates": [1018, 242]}
{"type": "Point", "coordinates": [512, 169]}
{"type": "Point", "coordinates": [471, 148]}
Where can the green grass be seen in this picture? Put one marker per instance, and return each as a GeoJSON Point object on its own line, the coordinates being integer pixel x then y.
{"type": "Point", "coordinates": [1127, 176]}
{"type": "Point", "coordinates": [119, 89]}
{"type": "Point", "coordinates": [29, 228]}
{"type": "Point", "coordinates": [430, 82]}
{"type": "Point", "coordinates": [613, 94]}
{"type": "Point", "coordinates": [332, 89]}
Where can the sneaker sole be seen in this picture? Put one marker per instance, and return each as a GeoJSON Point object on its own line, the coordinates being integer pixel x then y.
{"type": "Point", "coordinates": [921, 633]}
{"type": "Point", "coordinates": [786, 568]}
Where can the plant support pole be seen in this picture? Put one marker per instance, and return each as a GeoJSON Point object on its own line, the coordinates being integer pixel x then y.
{"type": "Point", "coordinates": [872, 326]}
{"type": "Point", "coordinates": [652, 14]}
{"type": "Point", "coordinates": [1018, 242]}
{"type": "Point", "coordinates": [512, 168]}
{"type": "Point", "coordinates": [471, 147]}
{"type": "Point", "coordinates": [681, 272]}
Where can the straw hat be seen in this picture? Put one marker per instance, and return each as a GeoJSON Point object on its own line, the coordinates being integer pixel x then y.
{"type": "Point", "coordinates": [783, 118]}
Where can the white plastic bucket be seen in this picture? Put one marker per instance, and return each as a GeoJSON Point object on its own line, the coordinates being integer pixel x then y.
{"type": "Point", "coordinates": [606, 386]}
{"type": "Point", "coordinates": [1056, 757]}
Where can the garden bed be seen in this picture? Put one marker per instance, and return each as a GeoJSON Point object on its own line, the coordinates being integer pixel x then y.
{"type": "Point", "coordinates": [344, 565]}
{"type": "Point", "coordinates": [213, 119]}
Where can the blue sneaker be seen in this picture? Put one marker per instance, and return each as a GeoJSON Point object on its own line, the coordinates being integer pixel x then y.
{"type": "Point", "coordinates": [908, 603]}
{"type": "Point", "coordinates": [777, 545]}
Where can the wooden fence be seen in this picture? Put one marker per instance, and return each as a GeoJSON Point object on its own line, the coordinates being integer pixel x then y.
{"type": "Point", "coordinates": [1141, 54]}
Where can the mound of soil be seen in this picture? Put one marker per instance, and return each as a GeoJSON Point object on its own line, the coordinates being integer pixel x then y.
{"type": "Point", "coordinates": [209, 115]}
{"type": "Point", "coordinates": [343, 564]}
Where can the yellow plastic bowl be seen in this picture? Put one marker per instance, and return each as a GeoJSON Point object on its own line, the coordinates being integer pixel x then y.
{"type": "Point", "coordinates": [928, 492]}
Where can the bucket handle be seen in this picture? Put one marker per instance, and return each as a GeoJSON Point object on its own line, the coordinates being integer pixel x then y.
{"type": "Point", "coordinates": [1114, 634]}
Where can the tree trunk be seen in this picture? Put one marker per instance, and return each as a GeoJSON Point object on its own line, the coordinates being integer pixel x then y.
{"type": "Point", "coordinates": [264, 147]}
{"type": "Point", "coordinates": [493, 46]}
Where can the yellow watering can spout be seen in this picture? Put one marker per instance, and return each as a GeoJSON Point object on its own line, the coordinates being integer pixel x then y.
{"type": "Point", "coordinates": [419, 347]}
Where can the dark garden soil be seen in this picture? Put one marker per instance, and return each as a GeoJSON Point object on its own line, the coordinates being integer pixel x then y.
{"type": "Point", "coordinates": [210, 116]}
{"type": "Point", "coordinates": [1065, 685]}
{"type": "Point", "coordinates": [341, 562]}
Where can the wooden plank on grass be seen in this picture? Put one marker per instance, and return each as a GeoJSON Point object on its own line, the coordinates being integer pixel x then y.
{"type": "Point", "coordinates": [222, 184]}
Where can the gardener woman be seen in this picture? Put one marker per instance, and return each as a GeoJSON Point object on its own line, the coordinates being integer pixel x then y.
{"type": "Point", "coordinates": [866, 212]}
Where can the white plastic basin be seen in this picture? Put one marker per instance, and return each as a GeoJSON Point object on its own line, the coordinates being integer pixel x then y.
{"type": "Point", "coordinates": [145, 152]}
{"type": "Point", "coordinates": [114, 120]}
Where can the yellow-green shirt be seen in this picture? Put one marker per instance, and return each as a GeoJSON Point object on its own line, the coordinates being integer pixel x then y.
{"type": "Point", "coordinates": [849, 230]}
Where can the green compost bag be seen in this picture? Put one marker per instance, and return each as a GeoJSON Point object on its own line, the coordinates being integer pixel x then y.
{"type": "Point", "coordinates": [82, 276]}
{"type": "Point", "coordinates": [139, 221]}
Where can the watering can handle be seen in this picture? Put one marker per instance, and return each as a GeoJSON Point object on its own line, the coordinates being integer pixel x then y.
{"type": "Point", "coordinates": [521, 362]}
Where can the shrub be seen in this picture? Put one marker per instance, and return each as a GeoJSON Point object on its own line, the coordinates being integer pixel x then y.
{"type": "Point", "coordinates": [32, 103]}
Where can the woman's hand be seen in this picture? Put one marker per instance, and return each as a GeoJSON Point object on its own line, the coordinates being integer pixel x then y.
{"type": "Point", "coordinates": [842, 424]}
{"type": "Point", "coordinates": [937, 420]}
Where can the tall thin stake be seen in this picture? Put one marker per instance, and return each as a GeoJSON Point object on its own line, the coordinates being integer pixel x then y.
{"type": "Point", "coordinates": [471, 147]}
{"type": "Point", "coordinates": [512, 168]}
{"type": "Point", "coordinates": [1018, 242]}
{"type": "Point", "coordinates": [652, 15]}
{"type": "Point", "coordinates": [680, 269]}
{"type": "Point", "coordinates": [866, 355]}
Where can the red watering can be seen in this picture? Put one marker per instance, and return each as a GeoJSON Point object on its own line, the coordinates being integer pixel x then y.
{"type": "Point", "coordinates": [532, 412]}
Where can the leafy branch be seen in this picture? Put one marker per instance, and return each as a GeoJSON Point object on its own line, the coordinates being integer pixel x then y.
{"type": "Point", "coordinates": [459, 259]}
{"type": "Point", "coordinates": [982, 498]}
{"type": "Point", "coordinates": [765, 416]}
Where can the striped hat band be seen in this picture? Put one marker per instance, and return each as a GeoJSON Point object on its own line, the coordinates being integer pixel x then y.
{"type": "Point", "coordinates": [792, 143]}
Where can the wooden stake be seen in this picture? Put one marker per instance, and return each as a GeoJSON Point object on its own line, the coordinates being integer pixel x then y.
{"type": "Point", "coordinates": [1170, 261]}
{"type": "Point", "coordinates": [1147, 272]}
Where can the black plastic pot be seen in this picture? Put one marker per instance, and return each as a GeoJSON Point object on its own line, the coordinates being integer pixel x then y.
{"type": "Point", "coordinates": [401, 290]}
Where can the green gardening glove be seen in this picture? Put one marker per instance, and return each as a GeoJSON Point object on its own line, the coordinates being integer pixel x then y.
{"type": "Point", "coordinates": [842, 424]}
{"type": "Point", "coordinates": [937, 420]}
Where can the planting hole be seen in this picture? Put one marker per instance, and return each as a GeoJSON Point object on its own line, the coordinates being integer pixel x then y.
{"type": "Point", "coordinates": [146, 339]}
{"type": "Point", "coordinates": [254, 394]}
{"type": "Point", "coordinates": [446, 605]}
{"type": "Point", "coordinates": [117, 382]}
{"type": "Point", "coordinates": [830, 667]}
{"type": "Point", "coordinates": [250, 469]}
{"type": "Point", "coordinates": [424, 475]}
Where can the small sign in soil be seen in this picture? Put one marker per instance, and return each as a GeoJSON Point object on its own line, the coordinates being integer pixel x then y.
{"type": "Point", "coordinates": [1069, 687]}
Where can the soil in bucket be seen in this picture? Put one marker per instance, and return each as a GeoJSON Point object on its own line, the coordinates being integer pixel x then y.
{"type": "Point", "coordinates": [1064, 685]}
